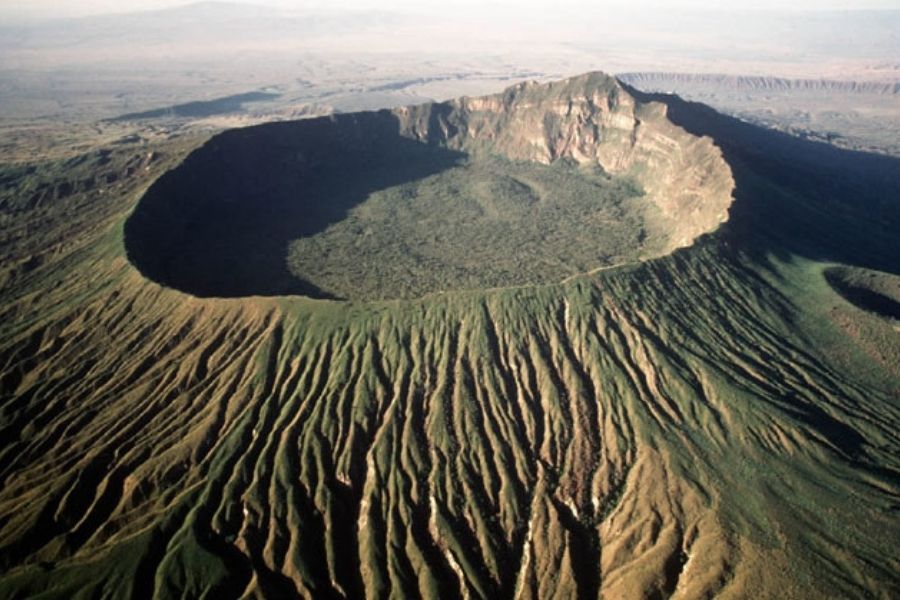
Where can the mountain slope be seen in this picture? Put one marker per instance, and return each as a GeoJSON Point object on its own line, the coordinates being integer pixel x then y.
{"type": "Point", "coordinates": [698, 424]}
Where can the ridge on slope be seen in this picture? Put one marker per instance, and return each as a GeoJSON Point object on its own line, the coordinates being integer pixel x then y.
{"type": "Point", "coordinates": [530, 186]}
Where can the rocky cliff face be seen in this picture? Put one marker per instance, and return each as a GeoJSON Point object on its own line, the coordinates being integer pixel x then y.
{"type": "Point", "coordinates": [592, 120]}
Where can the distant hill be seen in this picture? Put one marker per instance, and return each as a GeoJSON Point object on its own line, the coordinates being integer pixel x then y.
{"type": "Point", "coordinates": [204, 28]}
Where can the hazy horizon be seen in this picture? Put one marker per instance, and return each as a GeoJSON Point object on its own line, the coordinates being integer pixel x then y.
{"type": "Point", "coordinates": [49, 9]}
{"type": "Point", "coordinates": [125, 62]}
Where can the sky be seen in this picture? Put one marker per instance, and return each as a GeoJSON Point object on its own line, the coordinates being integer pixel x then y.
{"type": "Point", "coordinates": [69, 8]}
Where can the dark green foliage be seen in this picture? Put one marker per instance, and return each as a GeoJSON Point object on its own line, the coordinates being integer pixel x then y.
{"type": "Point", "coordinates": [488, 222]}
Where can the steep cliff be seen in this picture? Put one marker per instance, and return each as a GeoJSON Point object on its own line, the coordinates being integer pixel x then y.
{"type": "Point", "coordinates": [591, 119]}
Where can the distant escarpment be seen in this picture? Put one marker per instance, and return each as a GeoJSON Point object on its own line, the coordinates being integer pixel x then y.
{"type": "Point", "coordinates": [530, 186]}
{"type": "Point", "coordinates": [659, 80]}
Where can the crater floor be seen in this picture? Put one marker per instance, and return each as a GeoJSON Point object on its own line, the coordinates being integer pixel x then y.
{"type": "Point", "coordinates": [484, 223]}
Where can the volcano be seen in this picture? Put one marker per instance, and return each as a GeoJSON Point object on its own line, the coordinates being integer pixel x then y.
{"type": "Point", "coordinates": [569, 340]}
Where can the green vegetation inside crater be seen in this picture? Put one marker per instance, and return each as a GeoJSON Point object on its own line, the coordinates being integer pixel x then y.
{"type": "Point", "coordinates": [488, 222]}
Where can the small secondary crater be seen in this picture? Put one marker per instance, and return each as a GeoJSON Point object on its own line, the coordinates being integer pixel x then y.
{"type": "Point", "coordinates": [873, 291]}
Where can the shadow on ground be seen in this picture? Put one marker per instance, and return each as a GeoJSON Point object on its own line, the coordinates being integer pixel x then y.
{"type": "Point", "coordinates": [201, 108]}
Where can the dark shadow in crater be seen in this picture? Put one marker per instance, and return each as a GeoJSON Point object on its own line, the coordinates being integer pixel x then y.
{"type": "Point", "coordinates": [219, 224]}
{"type": "Point", "coordinates": [863, 297]}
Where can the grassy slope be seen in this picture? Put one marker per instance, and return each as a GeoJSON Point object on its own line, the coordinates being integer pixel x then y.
{"type": "Point", "coordinates": [684, 427]}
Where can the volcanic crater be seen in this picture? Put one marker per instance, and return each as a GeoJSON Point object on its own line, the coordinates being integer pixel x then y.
{"type": "Point", "coordinates": [530, 186]}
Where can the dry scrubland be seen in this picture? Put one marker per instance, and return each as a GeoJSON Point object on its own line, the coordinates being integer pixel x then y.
{"type": "Point", "coordinates": [721, 420]}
